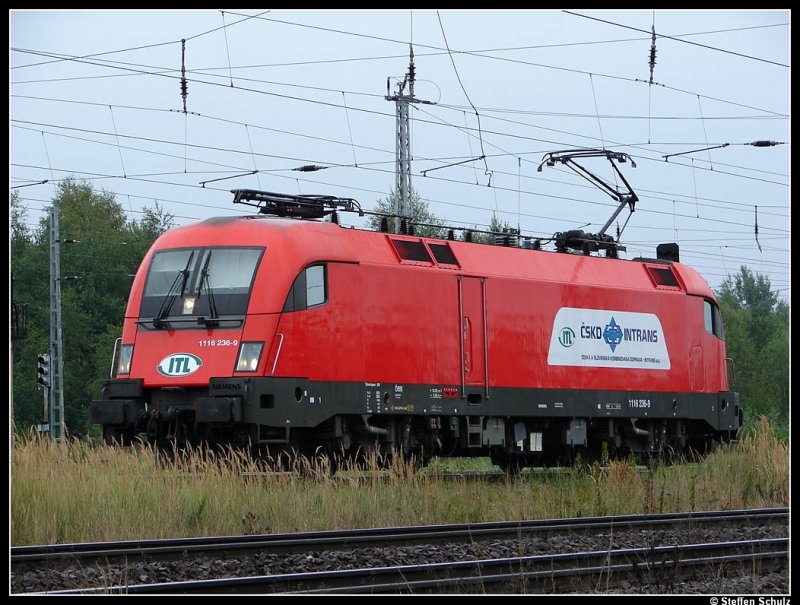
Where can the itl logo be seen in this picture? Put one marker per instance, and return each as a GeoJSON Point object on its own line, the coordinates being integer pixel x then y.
{"type": "Point", "coordinates": [179, 364]}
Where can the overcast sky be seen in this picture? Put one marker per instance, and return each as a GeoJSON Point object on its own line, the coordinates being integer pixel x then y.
{"type": "Point", "coordinates": [96, 95]}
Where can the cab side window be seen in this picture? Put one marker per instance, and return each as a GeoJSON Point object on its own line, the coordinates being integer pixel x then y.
{"type": "Point", "coordinates": [310, 289]}
{"type": "Point", "coordinates": [712, 320]}
{"type": "Point", "coordinates": [707, 321]}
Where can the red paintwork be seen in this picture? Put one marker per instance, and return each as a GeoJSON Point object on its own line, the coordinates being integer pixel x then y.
{"type": "Point", "coordinates": [388, 321]}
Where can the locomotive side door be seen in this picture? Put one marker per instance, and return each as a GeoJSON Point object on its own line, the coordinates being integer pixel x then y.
{"type": "Point", "coordinates": [473, 341]}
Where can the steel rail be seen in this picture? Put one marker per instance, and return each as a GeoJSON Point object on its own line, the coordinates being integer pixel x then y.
{"type": "Point", "coordinates": [525, 571]}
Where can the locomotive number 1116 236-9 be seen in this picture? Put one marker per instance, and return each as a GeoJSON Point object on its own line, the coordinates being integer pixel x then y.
{"type": "Point", "coordinates": [218, 342]}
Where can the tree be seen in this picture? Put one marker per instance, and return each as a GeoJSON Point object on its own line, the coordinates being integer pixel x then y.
{"type": "Point", "coordinates": [756, 324]}
{"type": "Point", "coordinates": [495, 226]}
{"type": "Point", "coordinates": [110, 249]}
{"type": "Point", "coordinates": [156, 220]}
{"type": "Point", "coordinates": [17, 213]}
{"type": "Point", "coordinates": [430, 225]}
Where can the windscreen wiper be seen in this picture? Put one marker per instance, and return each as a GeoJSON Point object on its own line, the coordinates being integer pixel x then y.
{"type": "Point", "coordinates": [178, 285]}
{"type": "Point", "coordinates": [213, 318]}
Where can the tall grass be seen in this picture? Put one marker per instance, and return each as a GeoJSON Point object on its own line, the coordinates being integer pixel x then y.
{"type": "Point", "coordinates": [78, 492]}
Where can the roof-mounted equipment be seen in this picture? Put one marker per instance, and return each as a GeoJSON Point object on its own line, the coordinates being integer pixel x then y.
{"type": "Point", "coordinates": [590, 242]}
{"type": "Point", "coordinates": [294, 206]}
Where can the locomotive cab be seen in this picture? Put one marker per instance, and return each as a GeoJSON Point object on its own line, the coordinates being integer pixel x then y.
{"type": "Point", "coordinates": [187, 321]}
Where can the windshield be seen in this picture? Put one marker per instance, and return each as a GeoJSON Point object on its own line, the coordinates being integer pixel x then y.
{"type": "Point", "coordinates": [201, 282]}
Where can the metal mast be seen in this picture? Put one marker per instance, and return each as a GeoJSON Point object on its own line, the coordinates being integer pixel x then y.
{"type": "Point", "coordinates": [403, 143]}
{"type": "Point", "coordinates": [56, 346]}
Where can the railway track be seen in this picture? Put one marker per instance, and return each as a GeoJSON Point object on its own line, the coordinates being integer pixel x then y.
{"type": "Point", "coordinates": [542, 573]}
{"type": "Point", "coordinates": [618, 561]}
{"type": "Point", "coordinates": [359, 477]}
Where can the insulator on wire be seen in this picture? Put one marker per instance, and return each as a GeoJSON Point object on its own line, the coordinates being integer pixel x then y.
{"type": "Point", "coordinates": [756, 230]}
{"type": "Point", "coordinates": [653, 54]}
{"type": "Point", "coordinates": [184, 83]}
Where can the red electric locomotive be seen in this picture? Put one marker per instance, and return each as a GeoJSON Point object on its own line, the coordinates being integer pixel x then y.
{"type": "Point", "coordinates": [286, 333]}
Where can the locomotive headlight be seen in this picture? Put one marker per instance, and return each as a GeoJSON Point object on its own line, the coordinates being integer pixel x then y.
{"type": "Point", "coordinates": [125, 356]}
{"type": "Point", "coordinates": [188, 305]}
{"type": "Point", "coordinates": [249, 356]}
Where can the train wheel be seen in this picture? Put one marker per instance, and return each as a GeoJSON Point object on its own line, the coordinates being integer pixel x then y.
{"type": "Point", "coordinates": [511, 465]}
{"type": "Point", "coordinates": [323, 464]}
{"type": "Point", "coordinates": [113, 436]}
{"type": "Point", "coordinates": [319, 465]}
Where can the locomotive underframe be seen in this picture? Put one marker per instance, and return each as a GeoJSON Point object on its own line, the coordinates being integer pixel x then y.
{"type": "Point", "coordinates": [515, 426]}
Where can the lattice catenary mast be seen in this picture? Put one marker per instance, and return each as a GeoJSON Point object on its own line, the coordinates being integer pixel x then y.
{"type": "Point", "coordinates": [403, 144]}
